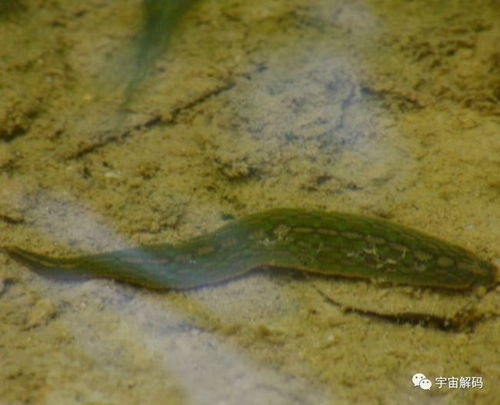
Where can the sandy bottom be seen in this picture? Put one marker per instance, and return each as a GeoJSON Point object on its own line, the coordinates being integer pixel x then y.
{"type": "Point", "coordinates": [383, 108]}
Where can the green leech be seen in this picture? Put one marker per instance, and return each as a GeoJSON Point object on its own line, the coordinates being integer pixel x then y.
{"type": "Point", "coordinates": [335, 244]}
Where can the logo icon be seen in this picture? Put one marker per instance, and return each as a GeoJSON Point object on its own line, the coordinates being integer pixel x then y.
{"type": "Point", "coordinates": [420, 380]}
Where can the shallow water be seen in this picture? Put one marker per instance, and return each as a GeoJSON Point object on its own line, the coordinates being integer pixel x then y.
{"type": "Point", "coordinates": [374, 107]}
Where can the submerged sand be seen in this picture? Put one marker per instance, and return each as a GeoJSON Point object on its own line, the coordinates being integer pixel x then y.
{"type": "Point", "coordinates": [382, 108]}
